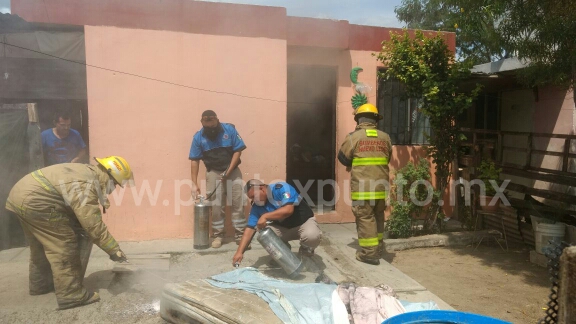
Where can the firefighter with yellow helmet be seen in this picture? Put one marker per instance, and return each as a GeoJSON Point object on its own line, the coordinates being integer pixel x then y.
{"type": "Point", "coordinates": [366, 153]}
{"type": "Point", "coordinates": [59, 209]}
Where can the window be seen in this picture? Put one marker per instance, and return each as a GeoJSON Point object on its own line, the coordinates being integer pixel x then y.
{"type": "Point", "coordinates": [402, 120]}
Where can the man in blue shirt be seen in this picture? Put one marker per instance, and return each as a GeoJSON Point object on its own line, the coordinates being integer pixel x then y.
{"type": "Point", "coordinates": [280, 207]}
{"type": "Point", "coordinates": [219, 146]}
{"type": "Point", "coordinates": [63, 144]}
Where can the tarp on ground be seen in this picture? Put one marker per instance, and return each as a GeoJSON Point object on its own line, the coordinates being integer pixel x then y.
{"type": "Point", "coordinates": [291, 302]}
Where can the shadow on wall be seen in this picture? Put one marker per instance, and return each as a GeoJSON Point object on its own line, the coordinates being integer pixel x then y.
{"type": "Point", "coordinates": [553, 107]}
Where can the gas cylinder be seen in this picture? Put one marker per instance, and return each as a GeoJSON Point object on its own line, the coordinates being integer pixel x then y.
{"type": "Point", "coordinates": [280, 252]}
{"type": "Point", "coordinates": [201, 224]}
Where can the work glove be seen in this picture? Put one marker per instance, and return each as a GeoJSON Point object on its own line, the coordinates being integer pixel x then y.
{"type": "Point", "coordinates": [118, 256]}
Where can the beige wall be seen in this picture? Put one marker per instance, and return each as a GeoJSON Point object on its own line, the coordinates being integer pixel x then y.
{"type": "Point", "coordinates": [554, 113]}
{"type": "Point", "coordinates": [517, 115]}
{"type": "Point", "coordinates": [151, 123]}
{"type": "Point", "coordinates": [551, 112]}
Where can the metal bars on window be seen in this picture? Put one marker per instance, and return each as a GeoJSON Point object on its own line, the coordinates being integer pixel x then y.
{"type": "Point", "coordinates": [402, 120]}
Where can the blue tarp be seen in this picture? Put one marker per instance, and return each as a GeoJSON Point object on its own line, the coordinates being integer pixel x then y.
{"type": "Point", "coordinates": [293, 303]}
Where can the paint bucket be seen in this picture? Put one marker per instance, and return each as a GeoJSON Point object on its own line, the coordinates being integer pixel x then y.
{"type": "Point", "coordinates": [546, 233]}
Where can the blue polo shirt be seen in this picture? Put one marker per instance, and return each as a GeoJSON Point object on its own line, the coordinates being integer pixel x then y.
{"type": "Point", "coordinates": [61, 150]}
{"type": "Point", "coordinates": [216, 153]}
{"type": "Point", "coordinates": [281, 194]}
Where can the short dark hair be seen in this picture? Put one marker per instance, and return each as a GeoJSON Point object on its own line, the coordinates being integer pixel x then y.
{"type": "Point", "coordinates": [252, 183]}
{"type": "Point", "coordinates": [63, 113]}
{"type": "Point", "coordinates": [208, 113]}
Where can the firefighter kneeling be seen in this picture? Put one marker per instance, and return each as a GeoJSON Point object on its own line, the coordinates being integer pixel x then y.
{"type": "Point", "coordinates": [366, 152]}
{"type": "Point", "coordinates": [59, 209]}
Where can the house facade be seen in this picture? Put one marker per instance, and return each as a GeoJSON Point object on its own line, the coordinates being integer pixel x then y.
{"type": "Point", "coordinates": [153, 66]}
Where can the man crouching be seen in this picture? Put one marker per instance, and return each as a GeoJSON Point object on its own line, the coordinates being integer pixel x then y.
{"type": "Point", "coordinates": [280, 207]}
{"type": "Point", "coordinates": [59, 210]}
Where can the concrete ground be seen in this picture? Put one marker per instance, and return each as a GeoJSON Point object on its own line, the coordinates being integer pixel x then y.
{"type": "Point", "coordinates": [134, 297]}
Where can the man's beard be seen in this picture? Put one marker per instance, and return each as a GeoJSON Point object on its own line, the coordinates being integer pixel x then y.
{"type": "Point", "coordinates": [212, 132]}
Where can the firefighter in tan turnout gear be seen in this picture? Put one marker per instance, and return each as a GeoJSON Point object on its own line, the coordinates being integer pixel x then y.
{"type": "Point", "coordinates": [59, 209]}
{"type": "Point", "coordinates": [366, 153]}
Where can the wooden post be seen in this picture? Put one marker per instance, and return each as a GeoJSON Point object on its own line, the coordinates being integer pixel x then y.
{"type": "Point", "coordinates": [529, 152]}
{"type": "Point", "coordinates": [565, 156]}
{"type": "Point", "coordinates": [567, 286]}
{"type": "Point", "coordinates": [34, 139]}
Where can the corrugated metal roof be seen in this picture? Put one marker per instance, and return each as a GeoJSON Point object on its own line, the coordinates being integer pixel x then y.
{"type": "Point", "coordinates": [503, 65]}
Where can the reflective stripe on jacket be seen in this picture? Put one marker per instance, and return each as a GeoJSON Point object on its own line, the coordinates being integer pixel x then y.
{"type": "Point", "coordinates": [367, 151]}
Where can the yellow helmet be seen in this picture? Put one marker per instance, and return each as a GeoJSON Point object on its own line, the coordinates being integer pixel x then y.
{"type": "Point", "coordinates": [368, 109]}
{"type": "Point", "coordinates": [117, 168]}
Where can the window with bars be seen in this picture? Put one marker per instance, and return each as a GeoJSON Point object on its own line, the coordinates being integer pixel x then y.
{"type": "Point", "coordinates": [402, 120]}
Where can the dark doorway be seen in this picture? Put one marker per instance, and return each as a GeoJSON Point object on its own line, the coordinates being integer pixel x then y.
{"type": "Point", "coordinates": [487, 113]}
{"type": "Point", "coordinates": [311, 131]}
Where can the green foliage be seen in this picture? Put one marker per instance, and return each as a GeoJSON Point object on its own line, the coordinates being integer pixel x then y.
{"type": "Point", "coordinates": [400, 223]}
{"type": "Point", "coordinates": [543, 32]}
{"type": "Point", "coordinates": [405, 196]}
{"type": "Point", "coordinates": [409, 174]}
{"type": "Point", "coordinates": [475, 23]}
{"type": "Point", "coordinates": [427, 68]}
{"type": "Point", "coordinates": [488, 171]}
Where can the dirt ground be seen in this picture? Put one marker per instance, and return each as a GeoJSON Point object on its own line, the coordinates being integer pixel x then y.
{"type": "Point", "coordinates": [487, 281]}
{"type": "Point", "coordinates": [125, 298]}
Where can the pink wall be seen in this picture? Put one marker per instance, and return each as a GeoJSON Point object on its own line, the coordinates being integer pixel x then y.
{"type": "Point", "coordinates": [228, 48]}
{"type": "Point", "coordinates": [151, 123]}
{"type": "Point", "coordinates": [554, 111]}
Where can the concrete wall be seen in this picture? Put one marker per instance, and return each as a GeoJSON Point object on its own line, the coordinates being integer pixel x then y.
{"type": "Point", "coordinates": [151, 123]}
{"type": "Point", "coordinates": [554, 113]}
{"type": "Point", "coordinates": [517, 115]}
{"type": "Point", "coordinates": [550, 110]}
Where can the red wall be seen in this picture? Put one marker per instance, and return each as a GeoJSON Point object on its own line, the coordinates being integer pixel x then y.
{"type": "Point", "coordinates": [212, 18]}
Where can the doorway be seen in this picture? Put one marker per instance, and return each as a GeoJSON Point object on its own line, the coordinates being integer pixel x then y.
{"type": "Point", "coordinates": [311, 132]}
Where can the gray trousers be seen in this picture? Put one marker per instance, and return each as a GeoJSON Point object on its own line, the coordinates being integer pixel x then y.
{"type": "Point", "coordinates": [228, 193]}
{"type": "Point", "coordinates": [309, 234]}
